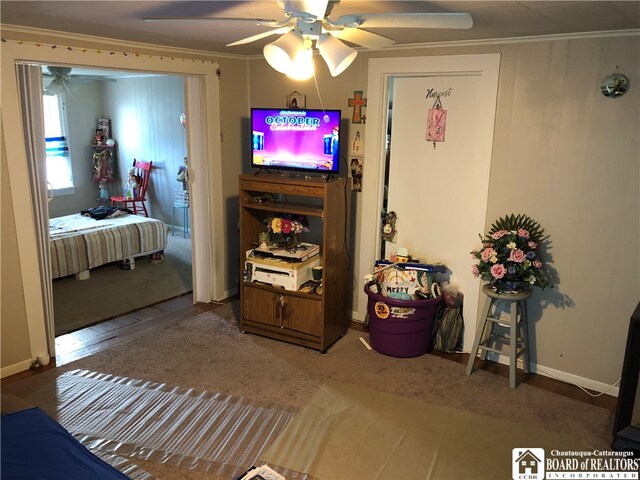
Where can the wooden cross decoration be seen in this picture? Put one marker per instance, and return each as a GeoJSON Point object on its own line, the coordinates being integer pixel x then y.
{"type": "Point", "coordinates": [357, 102]}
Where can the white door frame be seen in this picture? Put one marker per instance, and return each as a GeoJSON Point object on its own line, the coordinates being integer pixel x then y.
{"type": "Point", "coordinates": [368, 224]}
{"type": "Point", "coordinates": [202, 98]}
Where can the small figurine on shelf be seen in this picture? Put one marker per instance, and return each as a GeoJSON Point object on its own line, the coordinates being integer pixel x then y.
{"type": "Point", "coordinates": [131, 187]}
{"type": "Point", "coordinates": [103, 192]}
{"type": "Point", "coordinates": [99, 138]}
{"type": "Point", "coordinates": [183, 175]}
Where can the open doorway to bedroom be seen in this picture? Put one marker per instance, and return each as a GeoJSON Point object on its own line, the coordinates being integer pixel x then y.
{"type": "Point", "coordinates": [132, 117]}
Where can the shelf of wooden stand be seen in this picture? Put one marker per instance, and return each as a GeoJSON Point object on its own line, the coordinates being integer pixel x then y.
{"type": "Point", "coordinates": [286, 207]}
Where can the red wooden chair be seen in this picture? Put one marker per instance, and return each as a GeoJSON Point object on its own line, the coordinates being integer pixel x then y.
{"type": "Point", "coordinates": [142, 173]}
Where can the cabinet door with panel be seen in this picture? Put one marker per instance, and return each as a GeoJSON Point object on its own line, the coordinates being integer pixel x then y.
{"type": "Point", "coordinates": [260, 306]}
{"type": "Point", "coordinates": [303, 315]}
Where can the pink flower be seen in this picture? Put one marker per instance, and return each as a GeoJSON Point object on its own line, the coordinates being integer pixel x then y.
{"type": "Point", "coordinates": [498, 270]}
{"type": "Point", "coordinates": [537, 263]}
{"type": "Point", "coordinates": [286, 226]}
{"type": "Point", "coordinates": [487, 254]}
{"type": "Point", "coordinates": [517, 256]}
{"type": "Point", "coordinates": [475, 270]}
{"type": "Point", "coordinates": [523, 233]}
{"type": "Point", "coordinates": [499, 234]}
{"type": "Point", "coordinates": [532, 245]}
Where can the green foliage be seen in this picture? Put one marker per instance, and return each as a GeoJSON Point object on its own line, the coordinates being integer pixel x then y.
{"type": "Point", "coordinates": [514, 222]}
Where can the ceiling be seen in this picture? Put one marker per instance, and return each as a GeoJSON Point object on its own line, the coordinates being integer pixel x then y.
{"type": "Point", "coordinates": [492, 19]}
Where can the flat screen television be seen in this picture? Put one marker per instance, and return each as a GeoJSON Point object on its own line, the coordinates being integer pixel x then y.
{"type": "Point", "coordinates": [302, 140]}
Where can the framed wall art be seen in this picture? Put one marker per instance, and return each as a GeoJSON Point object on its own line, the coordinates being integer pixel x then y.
{"type": "Point", "coordinates": [295, 100]}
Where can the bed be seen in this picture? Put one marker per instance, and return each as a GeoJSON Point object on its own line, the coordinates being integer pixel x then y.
{"type": "Point", "coordinates": [79, 243]}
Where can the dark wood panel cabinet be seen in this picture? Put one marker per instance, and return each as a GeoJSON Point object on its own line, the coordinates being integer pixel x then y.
{"type": "Point", "coordinates": [311, 320]}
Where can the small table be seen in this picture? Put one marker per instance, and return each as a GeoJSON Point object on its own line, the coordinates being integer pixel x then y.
{"type": "Point", "coordinates": [518, 336]}
{"type": "Point", "coordinates": [185, 219]}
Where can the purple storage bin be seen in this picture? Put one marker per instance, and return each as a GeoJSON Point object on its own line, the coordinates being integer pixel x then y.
{"type": "Point", "coordinates": [400, 328]}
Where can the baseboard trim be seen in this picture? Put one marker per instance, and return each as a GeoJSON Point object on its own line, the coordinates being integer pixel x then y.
{"type": "Point", "coordinates": [15, 368]}
{"type": "Point", "coordinates": [233, 292]}
{"type": "Point", "coordinates": [560, 375]}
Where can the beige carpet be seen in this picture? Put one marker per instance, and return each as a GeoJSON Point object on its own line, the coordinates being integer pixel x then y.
{"type": "Point", "coordinates": [348, 432]}
{"type": "Point", "coordinates": [111, 292]}
{"type": "Point", "coordinates": [208, 353]}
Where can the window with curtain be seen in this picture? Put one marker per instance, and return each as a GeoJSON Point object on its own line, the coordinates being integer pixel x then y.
{"type": "Point", "coordinates": [59, 171]}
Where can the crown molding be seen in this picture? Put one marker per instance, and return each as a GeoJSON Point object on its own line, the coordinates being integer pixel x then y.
{"type": "Point", "coordinates": [57, 36]}
{"type": "Point", "coordinates": [509, 40]}
{"type": "Point", "coordinates": [167, 50]}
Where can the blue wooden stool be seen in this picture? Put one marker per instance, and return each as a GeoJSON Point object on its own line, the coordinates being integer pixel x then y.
{"type": "Point", "coordinates": [487, 339]}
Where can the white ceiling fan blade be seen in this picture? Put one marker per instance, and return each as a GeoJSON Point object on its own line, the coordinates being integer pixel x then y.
{"type": "Point", "coordinates": [362, 38]}
{"type": "Point", "coordinates": [260, 36]}
{"type": "Point", "coordinates": [263, 22]}
{"type": "Point", "coordinates": [407, 20]}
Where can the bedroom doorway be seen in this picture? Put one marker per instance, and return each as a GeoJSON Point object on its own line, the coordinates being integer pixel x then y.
{"type": "Point", "coordinates": [126, 109]}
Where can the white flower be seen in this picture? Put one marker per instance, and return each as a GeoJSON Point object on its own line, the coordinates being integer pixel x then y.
{"type": "Point", "coordinates": [531, 279]}
{"type": "Point", "coordinates": [511, 245]}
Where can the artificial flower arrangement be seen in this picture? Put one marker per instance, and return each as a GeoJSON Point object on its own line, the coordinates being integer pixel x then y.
{"type": "Point", "coordinates": [508, 258]}
{"type": "Point", "coordinates": [287, 224]}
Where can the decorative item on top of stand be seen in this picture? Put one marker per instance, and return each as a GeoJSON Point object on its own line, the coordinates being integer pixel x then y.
{"type": "Point", "coordinates": [389, 226]}
{"type": "Point", "coordinates": [509, 258]}
{"type": "Point", "coordinates": [104, 124]}
{"type": "Point", "coordinates": [286, 229]}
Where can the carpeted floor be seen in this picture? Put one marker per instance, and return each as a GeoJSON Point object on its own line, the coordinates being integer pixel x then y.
{"type": "Point", "coordinates": [111, 292]}
{"type": "Point", "coordinates": [208, 353]}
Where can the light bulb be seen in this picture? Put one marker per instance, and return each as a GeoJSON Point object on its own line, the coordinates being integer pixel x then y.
{"type": "Point", "coordinates": [302, 66]}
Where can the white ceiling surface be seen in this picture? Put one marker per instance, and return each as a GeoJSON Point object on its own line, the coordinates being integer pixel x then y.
{"type": "Point", "coordinates": [492, 19]}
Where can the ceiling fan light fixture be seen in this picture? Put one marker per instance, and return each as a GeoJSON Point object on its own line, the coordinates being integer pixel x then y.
{"type": "Point", "coordinates": [282, 53]}
{"type": "Point", "coordinates": [302, 67]}
{"type": "Point", "coordinates": [57, 87]}
{"type": "Point", "coordinates": [336, 54]}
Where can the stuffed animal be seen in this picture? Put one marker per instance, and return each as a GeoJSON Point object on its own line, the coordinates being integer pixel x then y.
{"type": "Point", "coordinates": [183, 175]}
{"type": "Point", "coordinates": [131, 187]}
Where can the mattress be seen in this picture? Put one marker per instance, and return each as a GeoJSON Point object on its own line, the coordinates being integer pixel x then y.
{"type": "Point", "coordinates": [79, 243]}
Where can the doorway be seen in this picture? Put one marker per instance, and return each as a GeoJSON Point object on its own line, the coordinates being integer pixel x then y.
{"type": "Point", "coordinates": [127, 108]}
{"type": "Point", "coordinates": [439, 195]}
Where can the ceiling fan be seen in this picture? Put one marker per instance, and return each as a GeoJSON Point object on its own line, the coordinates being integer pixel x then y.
{"type": "Point", "coordinates": [308, 20]}
{"type": "Point", "coordinates": [62, 80]}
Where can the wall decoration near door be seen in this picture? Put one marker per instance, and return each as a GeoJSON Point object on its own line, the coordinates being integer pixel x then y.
{"type": "Point", "coordinates": [436, 122]}
{"type": "Point", "coordinates": [356, 173]}
{"type": "Point", "coordinates": [389, 227]}
{"type": "Point", "coordinates": [103, 161]}
{"type": "Point", "coordinates": [295, 100]}
{"type": "Point", "coordinates": [358, 102]}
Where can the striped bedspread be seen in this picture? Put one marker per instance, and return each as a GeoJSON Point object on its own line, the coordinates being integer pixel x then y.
{"type": "Point", "coordinates": [79, 243]}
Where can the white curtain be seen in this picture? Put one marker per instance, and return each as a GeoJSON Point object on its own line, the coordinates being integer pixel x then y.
{"type": "Point", "coordinates": [30, 91]}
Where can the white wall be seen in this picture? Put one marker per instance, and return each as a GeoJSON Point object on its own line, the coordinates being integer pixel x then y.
{"type": "Point", "coordinates": [565, 155]}
{"type": "Point", "coordinates": [144, 115]}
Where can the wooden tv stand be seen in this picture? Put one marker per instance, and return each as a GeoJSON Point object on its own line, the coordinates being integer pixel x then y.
{"type": "Point", "coordinates": [312, 320]}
